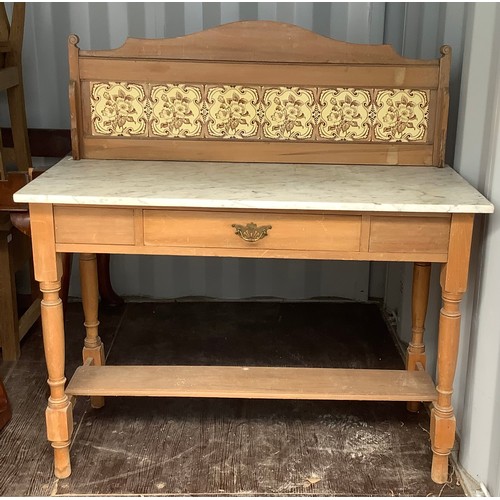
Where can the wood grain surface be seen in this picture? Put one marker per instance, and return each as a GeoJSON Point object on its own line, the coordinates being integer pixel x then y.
{"type": "Point", "coordinates": [253, 383]}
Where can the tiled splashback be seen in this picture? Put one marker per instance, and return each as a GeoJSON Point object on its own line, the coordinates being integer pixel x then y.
{"type": "Point", "coordinates": [258, 112]}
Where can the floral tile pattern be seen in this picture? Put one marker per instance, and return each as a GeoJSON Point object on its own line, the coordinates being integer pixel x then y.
{"type": "Point", "coordinates": [118, 109]}
{"type": "Point", "coordinates": [176, 110]}
{"type": "Point", "coordinates": [232, 112]}
{"type": "Point", "coordinates": [402, 115]}
{"type": "Point", "coordinates": [344, 114]}
{"type": "Point", "coordinates": [259, 113]}
{"type": "Point", "coordinates": [288, 113]}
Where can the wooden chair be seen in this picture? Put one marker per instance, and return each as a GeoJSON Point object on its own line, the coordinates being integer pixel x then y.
{"type": "Point", "coordinates": [15, 247]}
{"type": "Point", "coordinates": [15, 251]}
{"type": "Point", "coordinates": [11, 80]}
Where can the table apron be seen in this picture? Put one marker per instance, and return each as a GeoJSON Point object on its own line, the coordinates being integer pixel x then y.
{"type": "Point", "coordinates": [300, 235]}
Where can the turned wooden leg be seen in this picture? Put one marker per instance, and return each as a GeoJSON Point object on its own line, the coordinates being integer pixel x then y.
{"type": "Point", "coordinates": [420, 297]}
{"type": "Point", "coordinates": [108, 295]}
{"type": "Point", "coordinates": [93, 347]}
{"type": "Point", "coordinates": [59, 413]}
{"type": "Point", "coordinates": [453, 285]}
{"type": "Point", "coordinates": [442, 417]}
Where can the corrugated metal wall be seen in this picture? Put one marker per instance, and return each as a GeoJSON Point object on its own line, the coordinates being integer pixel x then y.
{"type": "Point", "coordinates": [476, 397]}
{"type": "Point", "coordinates": [415, 29]}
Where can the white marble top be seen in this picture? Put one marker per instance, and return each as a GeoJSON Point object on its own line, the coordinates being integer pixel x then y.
{"type": "Point", "coordinates": [255, 186]}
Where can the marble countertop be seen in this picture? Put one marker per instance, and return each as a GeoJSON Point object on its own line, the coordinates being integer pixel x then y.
{"type": "Point", "coordinates": [255, 186]}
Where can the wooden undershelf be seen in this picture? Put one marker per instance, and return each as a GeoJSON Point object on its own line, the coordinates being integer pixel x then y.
{"type": "Point", "coordinates": [252, 382]}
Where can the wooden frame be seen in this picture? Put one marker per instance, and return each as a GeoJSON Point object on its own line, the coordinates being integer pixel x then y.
{"type": "Point", "coordinates": [218, 57]}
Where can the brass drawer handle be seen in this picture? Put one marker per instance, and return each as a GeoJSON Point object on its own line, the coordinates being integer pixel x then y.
{"type": "Point", "coordinates": [251, 232]}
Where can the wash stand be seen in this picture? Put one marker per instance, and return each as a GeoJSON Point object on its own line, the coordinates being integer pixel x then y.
{"type": "Point", "coordinates": [255, 139]}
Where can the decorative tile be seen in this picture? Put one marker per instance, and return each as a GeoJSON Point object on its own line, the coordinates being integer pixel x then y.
{"type": "Point", "coordinates": [176, 110]}
{"type": "Point", "coordinates": [402, 115]}
{"type": "Point", "coordinates": [118, 109]}
{"type": "Point", "coordinates": [232, 112]}
{"type": "Point", "coordinates": [344, 114]}
{"type": "Point", "coordinates": [272, 113]}
{"type": "Point", "coordinates": [288, 113]}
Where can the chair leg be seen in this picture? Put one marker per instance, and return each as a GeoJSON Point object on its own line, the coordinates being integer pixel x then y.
{"type": "Point", "coordinates": [108, 295]}
{"type": "Point", "coordinates": [5, 409]}
{"type": "Point", "coordinates": [9, 321]}
{"type": "Point", "coordinates": [67, 259]}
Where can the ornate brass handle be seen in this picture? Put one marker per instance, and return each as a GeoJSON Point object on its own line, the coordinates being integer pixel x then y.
{"type": "Point", "coordinates": [251, 232]}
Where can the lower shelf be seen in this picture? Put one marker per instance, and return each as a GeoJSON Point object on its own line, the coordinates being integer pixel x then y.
{"type": "Point", "coordinates": [252, 382]}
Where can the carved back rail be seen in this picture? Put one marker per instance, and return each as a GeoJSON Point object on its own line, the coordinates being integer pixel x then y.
{"type": "Point", "coordinates": [258, 91]}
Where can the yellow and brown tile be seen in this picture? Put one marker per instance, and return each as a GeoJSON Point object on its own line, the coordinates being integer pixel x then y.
{"type": "Point", "coordinates": [232, 112]}
{"type": "Point", "coordinates": [344, 114]}
{"type": "Point", "coordinates": [288, 113]}
{"type": "Point", "coordinates": [176, 110]}
{"type": "Point", "coordinates": [401, 115]}
{"type": "Point", "coordinates": [118, 109]}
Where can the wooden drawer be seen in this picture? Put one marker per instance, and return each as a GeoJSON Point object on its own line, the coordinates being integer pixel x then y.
{"type": "Point", "coordinates": [288, 232]}
{"type": "Point", "coordinates": [113, 226]}
{"type": "Point", "coordinates": [392, 234]}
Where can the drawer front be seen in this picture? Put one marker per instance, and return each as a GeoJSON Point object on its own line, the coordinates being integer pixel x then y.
{"type": "Point", "coordinates": [113, 226]}
{"type": "Point", "coordinates": [287, 232]}
{"type": "Point", "coordinates": [409, 234]}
